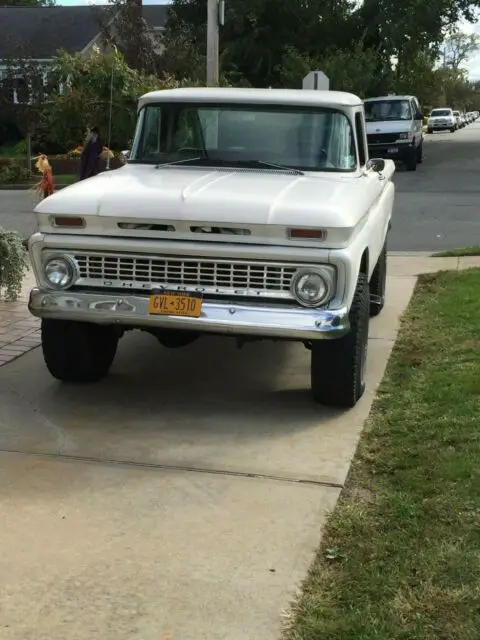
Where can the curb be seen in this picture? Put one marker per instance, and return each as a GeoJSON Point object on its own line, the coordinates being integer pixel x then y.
{"type": "Point", "coordinates": [412, 254]}
{"type": "Point", "coordinates": [26, 187]}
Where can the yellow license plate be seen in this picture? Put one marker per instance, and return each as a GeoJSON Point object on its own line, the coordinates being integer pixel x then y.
{"type": "Point", "coordinates": [172, 303]}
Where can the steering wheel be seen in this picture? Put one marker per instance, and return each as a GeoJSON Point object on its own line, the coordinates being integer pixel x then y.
{"type": "Point", "coordinates": [322, 155]}
{"type": "Point", "coordinates": [191, 150]}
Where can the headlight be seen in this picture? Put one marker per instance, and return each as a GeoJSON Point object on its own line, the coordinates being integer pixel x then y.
{"type": "Point", "coordinates": [60, 272]}
{"type": "Point", "coordinates": [403, 136]}
{"type": "Point", "coordinates": [311, 287]}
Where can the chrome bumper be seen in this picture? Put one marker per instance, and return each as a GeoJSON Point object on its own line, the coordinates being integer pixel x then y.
{"type": "Point", "coordinates": [236, 319]}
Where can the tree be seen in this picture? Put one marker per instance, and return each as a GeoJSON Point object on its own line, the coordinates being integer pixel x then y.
{"type": "Point", "coordinates": [123, 26]}
{"type": "Point", "coordinates": [257, 35]}
{"type": "Point", "coordinates": [23, 96]}
{"type": "Point", "coordinates": [85, 100]}
{"type": "Point", "coordinates": [350, 71]}
{"type": "Point", "coordinates": [457, 48]}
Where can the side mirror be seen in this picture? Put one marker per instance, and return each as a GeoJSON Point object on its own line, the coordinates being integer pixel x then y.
{"type": "Point", "coordinates": [419, 116]}
{"type": "Point", "coordinates": [126, 154]}
{"type": "Point", "coordinates": [375, 164]}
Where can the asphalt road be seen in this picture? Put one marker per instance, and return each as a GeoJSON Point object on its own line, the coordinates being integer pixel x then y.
{"type": "Point", "coordinates": [436, 208]}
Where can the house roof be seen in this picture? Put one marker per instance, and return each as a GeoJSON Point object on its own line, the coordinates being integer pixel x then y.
{"type": "Point", "coordinates": [39, 32]}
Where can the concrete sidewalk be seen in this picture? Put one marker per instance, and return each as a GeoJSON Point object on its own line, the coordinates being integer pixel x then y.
{"type": "Point", "coordinates": [182, 498]}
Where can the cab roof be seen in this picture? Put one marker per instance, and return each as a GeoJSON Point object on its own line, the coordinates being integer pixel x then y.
{"type": "Point", "coordinates": [392, 97]}
{"type": "Point", "coordinates": [214, 95]}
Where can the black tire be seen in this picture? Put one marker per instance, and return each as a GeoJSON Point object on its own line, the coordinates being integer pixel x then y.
{"type": "Point", "coordinates": [337, 367]}
{"type": "Point", "coordinates": [78, 351]}
{"type": "Point", "coordinates": [429, 130]}
{"type": "Point", "coordinates": [378, 284]}
{"type": "Point", "coordinates": [420, 153]}
{"type": "Point", "coordinates": [452, 130]}
{"type": "Point", "coordinates": [411, 160]}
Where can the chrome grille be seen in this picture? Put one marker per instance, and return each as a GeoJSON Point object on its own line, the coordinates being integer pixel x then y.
{"type": "Point", "coordinates": [381, 138]}
{"type": "Point", "coordinates": [221, 277]}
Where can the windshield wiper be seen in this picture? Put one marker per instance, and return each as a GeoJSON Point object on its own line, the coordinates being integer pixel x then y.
{"type": "Point", "coordinates": [230, 163]}
{"type": "Point", "coordinates": [270, 165]}
{"type": "Point", "coordinates": [180, 162]}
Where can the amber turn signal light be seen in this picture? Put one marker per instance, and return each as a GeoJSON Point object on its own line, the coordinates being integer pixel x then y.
{"type": "Point", "coordinates": [307, 234]}
{"type": "Point", "coordinates": [68, 221]}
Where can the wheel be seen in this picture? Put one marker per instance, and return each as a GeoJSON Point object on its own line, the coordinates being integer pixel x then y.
{"type": "Point", "coordinates": [420, 153]}
{"type": "Point", "coordinates": [378, 284]}
{"type": "Point", "coordinates": [337, 368]}
{"type": "Point", "coordinates": [78, 351]}
{"type": "Point", "coordinates": [429, 130]}
{"type": "Point", "coordinates": [411, 161]}
{"type": "Point", "coordinates": [452, 130]}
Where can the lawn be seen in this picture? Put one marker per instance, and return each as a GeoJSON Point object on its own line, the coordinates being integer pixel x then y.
{"type": "Point", "coordinates": [458, 253]}
{"type": "Point", "coordinates": [400, 558]}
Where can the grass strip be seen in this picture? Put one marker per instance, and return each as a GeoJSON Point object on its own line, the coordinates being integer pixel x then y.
{"type": "Point", "coordinates": [400, 558]}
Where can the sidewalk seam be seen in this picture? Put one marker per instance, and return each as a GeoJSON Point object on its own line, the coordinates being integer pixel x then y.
{"type": "Point", "coordinates": [172, 467]}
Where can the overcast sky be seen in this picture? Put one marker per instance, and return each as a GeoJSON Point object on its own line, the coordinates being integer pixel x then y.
{"type": "Point", "coordinates": [473, 64]}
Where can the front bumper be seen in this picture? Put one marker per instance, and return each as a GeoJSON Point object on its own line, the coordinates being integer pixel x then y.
{"type": "Point", "coordinates": [444, 126]}
{"type": "Point", "coordinates": [224, 318]}
{"type": "Point", "coordinates": [391, 151]}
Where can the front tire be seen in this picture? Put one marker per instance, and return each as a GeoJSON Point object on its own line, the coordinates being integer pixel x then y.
{"type": "Point", "coordinates": [378, 284]}
{"type": "Point", "coordinates": [338, 366]}
{"type": "Point", "coordinates": [78, 352]}
{"type": "Point", "coordinates": [420, 153]}
{"type": "Point", "coordinates": [429, 130]}
{"type": "Point", "coordinates": [411, 161]}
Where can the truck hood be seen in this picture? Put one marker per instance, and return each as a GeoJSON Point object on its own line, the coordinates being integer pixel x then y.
{"type": "Point", "coordinates": [219, 196]}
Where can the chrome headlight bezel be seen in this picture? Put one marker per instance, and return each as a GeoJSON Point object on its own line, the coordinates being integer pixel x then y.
{"type": "Point", "coordinates": [327, 275]}
{"type": "Point", "coordinates": [71, 268]}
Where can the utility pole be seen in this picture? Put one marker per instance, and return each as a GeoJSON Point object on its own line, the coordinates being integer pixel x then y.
{"type": "Point", "coordinates": [213, 21]}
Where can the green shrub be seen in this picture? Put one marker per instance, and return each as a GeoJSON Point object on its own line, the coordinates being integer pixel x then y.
{"type": "Point", "coordinates": [13, 263]}
{"type": "Point", "coordinates": [15, 172]}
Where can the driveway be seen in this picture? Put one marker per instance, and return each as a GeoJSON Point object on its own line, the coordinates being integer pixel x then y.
{"type": "Point", "coordinates": [182, 498]}
{"type": "Point", "coordinates": [436, 207]}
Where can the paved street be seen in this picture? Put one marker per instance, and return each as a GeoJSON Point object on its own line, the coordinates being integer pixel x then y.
{"type": "Point", "coordinates": [436, 208]}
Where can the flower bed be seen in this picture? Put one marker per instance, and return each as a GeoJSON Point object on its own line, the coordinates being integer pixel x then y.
{"type": "Point", "coordinates": [61, 165]}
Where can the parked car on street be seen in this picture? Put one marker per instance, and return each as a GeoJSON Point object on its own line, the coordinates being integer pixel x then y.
{"type": "Point", "coordinates": [459, 119]}
{"type": "Point", "coordinates": [395, 129]}
{"type": "Point", "coordinates": [441, 120]}
{"type": "Point", "coordinates": [252, 213]}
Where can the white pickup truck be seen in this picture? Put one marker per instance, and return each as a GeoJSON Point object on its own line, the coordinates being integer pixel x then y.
{"type": "Point", "coordinates": [244, 212]}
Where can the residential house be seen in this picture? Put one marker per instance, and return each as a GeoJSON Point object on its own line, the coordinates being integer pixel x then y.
{"type": "Point", "coordinates": [38, 33]}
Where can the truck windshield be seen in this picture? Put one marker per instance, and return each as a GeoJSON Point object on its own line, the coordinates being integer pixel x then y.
{"type": "Point", "coordinates": [242, 135]}
{"type": "Point", "coordinates": [440, 112]}
{"type": "Point", "coordinates": [381, 110]}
